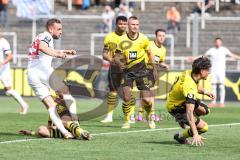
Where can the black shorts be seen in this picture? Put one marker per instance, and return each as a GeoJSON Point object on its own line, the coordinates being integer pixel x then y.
{"type": "Point", "coordinates": [180, 113]}
{"type": "Point", "coordinates": [114, 78]}
{"type": "Point", "coordinates": [137, 74]}
{"type": "Point", "coordinates": [151, 78]}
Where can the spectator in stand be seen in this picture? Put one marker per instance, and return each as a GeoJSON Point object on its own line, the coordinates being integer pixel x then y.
{"type": "Point", "coordinates": [208, 7]}
{"type": "Point", "coordinates": [124, 11]}
{"type": "Point", "coordinates": [108, 15]}
{"type": "Point", "coordinates": [173, 17]}
{"type": "Point", "coordinates": [3, 12]}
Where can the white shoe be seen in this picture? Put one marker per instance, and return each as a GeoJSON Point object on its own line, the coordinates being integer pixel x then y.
{"type": "Point", "coordinates": [132, 119]}
{"type": "Point", "coordinates": [24, 109]}
{"type": "Point", "coordinates": [107, 120]}
{"type": "Point", "coordinates": [126, 125]}
{"type": "Point", "coordinates": [151, 124]}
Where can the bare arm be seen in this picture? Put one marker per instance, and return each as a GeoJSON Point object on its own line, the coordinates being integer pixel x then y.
{"type": "Point", "coordinates": [105, 54]}
{"type": "Point", "coordinates": [197, 139]}
{"type": "Point", "coordinates": [235, 56]}
{"type": "Point", "coordinates": [201, 90]}
{"type": "Point", "coordinates": [164, 65]}
{"type": "Point", "coordinates": [152, 62]}
{"type": "Point", "coordinates": [55, 53]}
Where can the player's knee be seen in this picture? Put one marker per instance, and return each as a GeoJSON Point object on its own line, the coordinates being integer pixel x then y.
{"type": "Point", "coordinates": [126, 98]}
{"type": "Point", "coordinates": [204, 129]}
{"type": "Point", "coordinates": [43, 131]}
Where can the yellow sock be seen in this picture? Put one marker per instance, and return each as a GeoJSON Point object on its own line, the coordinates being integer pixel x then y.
{"type": "Point", "coordinates": [74, 128]}
{"type": "Point", "coordinates": [126, 110]}
{"type": "Point", "coordinates": [112, 99]}
{"type": "Point", "coordinates": [148, 108]}
{"type": "Point", "coordinates": [187, 133]}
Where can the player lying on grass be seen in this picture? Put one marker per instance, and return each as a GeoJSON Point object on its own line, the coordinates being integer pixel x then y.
{"type": "Point", "coordinates": [50, 130]}
{"type": "Point", "coordinates": [185, 107]}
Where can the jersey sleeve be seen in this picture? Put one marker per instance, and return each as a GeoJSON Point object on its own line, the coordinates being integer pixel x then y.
{"type": "Point", "coordinates": [146, 44]}
{"type": "Point", "coordinates": [227, 52]}
{"type": "Point", "coordinates": [163, 56]}
{"type": "Point", "coordinates": [6, 47]}
{"type": "Point", "coordinates": [208, 52]}
{"type": "Point", "coordinates": [46, 39]}
{"type": "Point", "coordinates": [189, 93]}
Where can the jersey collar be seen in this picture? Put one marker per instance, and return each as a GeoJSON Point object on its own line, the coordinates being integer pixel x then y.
{"type": "Point", "coordinates": [133, 39]}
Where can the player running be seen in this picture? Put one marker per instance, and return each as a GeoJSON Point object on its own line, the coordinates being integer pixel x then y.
{"type": "Point", "coordinates": [39, 71]}
{"type": "Point", "coordinates": [183, 103]}
{"type": "Point", "coordinates": [5, 74]}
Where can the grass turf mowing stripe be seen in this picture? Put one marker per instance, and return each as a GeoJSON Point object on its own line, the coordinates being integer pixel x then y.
{"type": "Point", "coordinates": [112, 133]}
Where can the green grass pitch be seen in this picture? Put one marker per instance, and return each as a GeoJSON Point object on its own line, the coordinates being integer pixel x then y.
{"type": "Point", "coordinates": [223, 142]}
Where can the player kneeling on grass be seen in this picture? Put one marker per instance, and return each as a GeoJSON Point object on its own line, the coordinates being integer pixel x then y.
{"type": "Point", "coordinates": [183, 105]}
{"type": "Point", "coordinates": [50, 130]}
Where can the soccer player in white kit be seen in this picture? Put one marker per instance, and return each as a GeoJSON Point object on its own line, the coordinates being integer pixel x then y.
{"type": "Point", "coordinates": [41, 54]}
{"type": "Point", "coordinates": [218, 55]}
{"type": "Point", "coordinates": [5, 74]}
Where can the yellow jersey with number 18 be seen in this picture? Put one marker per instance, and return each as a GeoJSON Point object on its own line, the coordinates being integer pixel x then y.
{"type": "Point", "coordinates": [135, 51]}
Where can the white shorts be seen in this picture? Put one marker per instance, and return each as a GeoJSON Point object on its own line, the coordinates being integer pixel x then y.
{"type": "Point", "coordinates": [218, 77]}
{"type": "Point", "coordinates": [5, 77]}
{"type": "Point", "coordinates": [39, 82]}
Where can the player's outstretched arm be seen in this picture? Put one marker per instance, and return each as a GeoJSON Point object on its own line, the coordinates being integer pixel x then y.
{"type": "Point", "coordinates": [51, 52]}
{"type": "Point", "coordinates": [164, 66]}
{"type": "Point", "coordinates": [201, 90]}
{"type": "Point", "coordinates": [197, 139]}
{"type": "Point", "coordinates": [26, 132]}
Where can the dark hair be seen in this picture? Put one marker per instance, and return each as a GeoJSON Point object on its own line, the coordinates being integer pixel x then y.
{"type": "Point", "coordinates": [133, 17]}
{"type": "Point", "coordinates": [200, 64]}
{"type": "Point", "coordinates": [160, 30]}
{"type": "Point", "coordinates": [50, 22]}
{"type": "Point", "coordinates": [218, 38]}
{"type": "Point", "coordinates": [121, 18]}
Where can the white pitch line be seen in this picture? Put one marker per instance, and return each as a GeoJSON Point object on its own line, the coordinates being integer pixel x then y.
{"type": "Point", "coordinates": [127, 132]}
{"type": "Point", "coordinates": [24, 140]}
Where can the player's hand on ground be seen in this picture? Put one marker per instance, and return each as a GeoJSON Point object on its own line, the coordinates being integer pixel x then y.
{"type": "Point", "coordinates": [25, 132]}
{"type": "Point", "coordinates": [198, 140]}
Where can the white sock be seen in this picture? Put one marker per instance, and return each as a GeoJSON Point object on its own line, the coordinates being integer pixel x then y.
{"type": "Point", "coordinates": [214, 89]}
{"type": "Point", "coordinates": [222, 93]}
{"type": "Point", "coordinates": [71, 104]}
{"type": "Point", "coordinates": [16, 96]}
{"type": "Point", "coordinates": [56, 120]}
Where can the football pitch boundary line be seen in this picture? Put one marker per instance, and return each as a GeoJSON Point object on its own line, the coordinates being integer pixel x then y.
{"type": "Point", "coordinates": [112, 133]}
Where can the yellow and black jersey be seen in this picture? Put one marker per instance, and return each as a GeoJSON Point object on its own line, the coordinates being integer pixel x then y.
{"type": "Point", "coordinates": [111, 42]}
{"type": "Point", "coordinates": [134, 50]}
{"type": "Point", "coordinates": [184, 90]}
{"type": "Point", "coordinates": [159, 53]}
